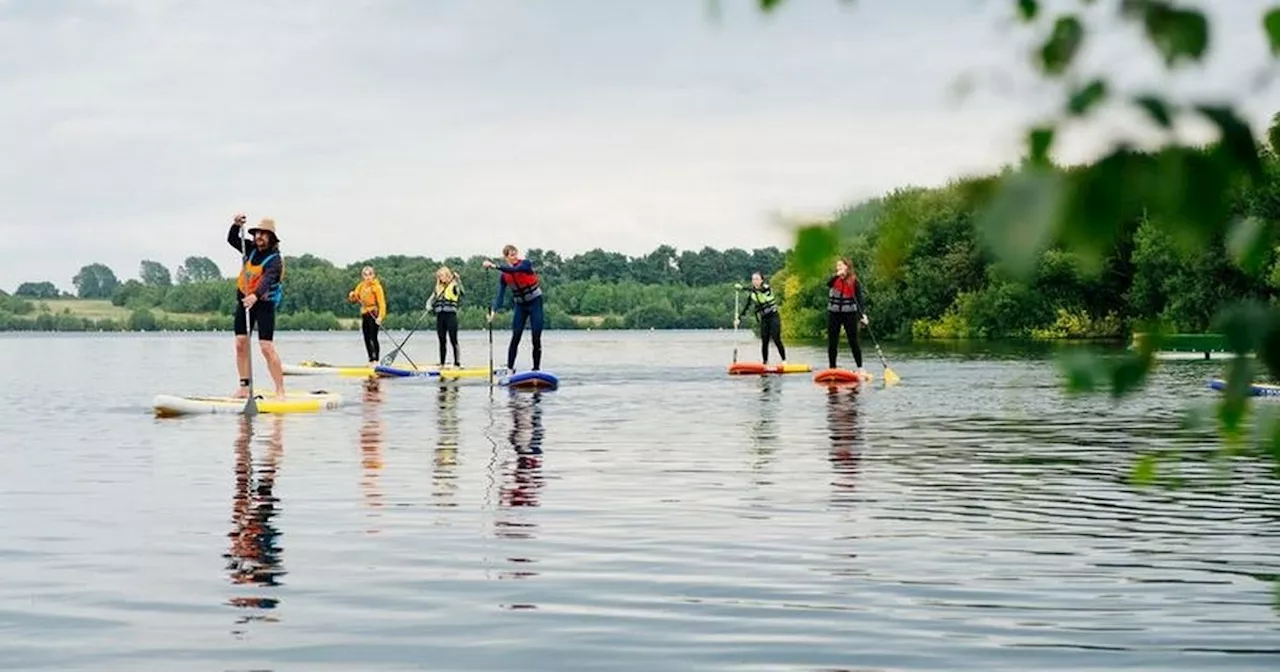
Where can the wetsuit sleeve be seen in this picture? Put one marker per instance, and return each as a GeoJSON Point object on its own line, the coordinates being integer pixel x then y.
{"type": "Point", "coordinates": [860, 298]}
{"type": "Point", "coordinates": [234, 237]}
{"type": "Point", "coordinates": [832, 280]}
{"type": "Point", "coordinates": [457, 283]}
{"type": "Point", "coordinates": [746, 305]}
{"type": "Point", "coordinates": [270, 276]}
{"type": "Point", "coordinates": [524, 266]}
{"type": "Point", "coordinates": [497, 300]}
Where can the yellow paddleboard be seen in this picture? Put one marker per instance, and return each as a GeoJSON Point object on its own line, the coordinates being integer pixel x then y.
{"type": "Point", "coordinates": [169, 405]}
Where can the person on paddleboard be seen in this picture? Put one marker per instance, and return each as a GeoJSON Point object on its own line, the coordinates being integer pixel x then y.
{"type": "Point", "coordinates": [760, 296]}
{"type": "Point", "coordinates": [259, 290]}
{"type": "Point", "coordinates": [845, 305]}
{"type": "Point", "coordinates": [444, 303]}
{"type": "Point", "coordinates": [526, 299]}
{"type": "Point", "coordinates": [373, 310]}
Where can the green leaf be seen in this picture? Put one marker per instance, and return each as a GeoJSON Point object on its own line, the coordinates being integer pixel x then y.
{"type": "Point", "coordinates": [1040, 141]}
{"type": "Point", "coordinates": [1018, 221]}
{"type": "Point", "coordinates": [769, 5]}
{"type": "Point", "coordinates": [1144, 470]}
{"type": "Point", "coordinates": [1101, 198]}
{"type": "Point", "coordinates": [1234, 405]}
{"type": "Point", "coordinates": [814, 249]}
{"type": "Point", "coordinates": [1189, 191]}
{"type": "Point", "coordinates": [1179, 34]}
{"type": "Point", "coordinates": [1060, 49]}
{"type": "Point", "coordinates": [1028, 9]}
{"type": "Point", "coordinates": [1081, 370]}
{"type": "Point", "coordinates": [1237, 141]}
{"type": "Point", "coordinates": [1271, 23]}
{"type": "Point", "coordinates": [1249, 244]}
{"type": "Point", "coordinates": [1157, 109]}
{"type": "Point", "coordinates": [1086, 97]}
{"type": "Point", "coordinates": [1129, 373]}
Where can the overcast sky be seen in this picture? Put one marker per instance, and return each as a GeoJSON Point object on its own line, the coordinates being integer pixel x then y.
{"type": "Point", "coordinates": [135, 129]}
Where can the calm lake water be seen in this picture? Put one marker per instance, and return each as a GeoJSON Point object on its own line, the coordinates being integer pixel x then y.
{"type": "Point", "coordinates": [653, 513]}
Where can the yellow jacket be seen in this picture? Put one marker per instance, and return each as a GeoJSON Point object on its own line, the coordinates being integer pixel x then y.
{"type": "Point", "coordinates": [369, 294]}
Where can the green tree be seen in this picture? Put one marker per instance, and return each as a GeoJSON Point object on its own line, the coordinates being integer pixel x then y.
{"type": "Point", "coordinates": [37, 290]}
{"type": "Point", "coordinates": [198, 269]}
{"type": "Point", "coordinates": [95, 281]}
{"type": "Point", "coordinates": [154, 274]}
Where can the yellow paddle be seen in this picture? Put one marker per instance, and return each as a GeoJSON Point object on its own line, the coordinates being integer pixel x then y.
{"type": "Point", "coordinates": [889, 376]}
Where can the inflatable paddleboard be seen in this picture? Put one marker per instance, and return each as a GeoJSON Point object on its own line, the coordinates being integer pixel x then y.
{"type": "Point", "coordinates": [530, 380]}
{"type": "Point", "coordinates": [169, 405]}
{"type": "Point", "coordinates": [313, 368]}
{"type": "Point", "coordinates": [446, 373]}
{"type": "Point", "coordinates": [841, 376]}
{"type": "Point", "coordinates": [1255, 389]}
{"type": "Point", "coordinates": [757, 368]}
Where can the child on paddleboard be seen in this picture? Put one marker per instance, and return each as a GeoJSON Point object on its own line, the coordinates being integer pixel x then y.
{"type": "Point", "coordinates": [444, 303]}
{"type": "Point", "coordinates": [760, 296]}
{"type": "Point", "coordinates": [526, 299]}
{"type": "Point", "coordinates": [259, 289]}
{"type": "Point", "coordinates": [373, 309]}
{"type": "Point", "coordinates": [845, 305]}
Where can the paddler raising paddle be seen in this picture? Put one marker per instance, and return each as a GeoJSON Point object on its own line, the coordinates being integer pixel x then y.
{"type": "Point", "coordinates": [526, 299]}
{"type": "Point", "coordinates": [845, 304]}
{"type": "Point", "coordinates": [258, 290]}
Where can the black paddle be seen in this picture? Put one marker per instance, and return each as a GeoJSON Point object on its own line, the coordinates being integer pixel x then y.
{"type": "Point", "coordinates": [250, 404]}
{"type": "Point", "coordinates": [390, 358]}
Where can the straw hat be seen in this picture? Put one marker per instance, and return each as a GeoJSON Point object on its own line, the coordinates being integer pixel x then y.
{"type": "Point", "coordinates": [267, 224]}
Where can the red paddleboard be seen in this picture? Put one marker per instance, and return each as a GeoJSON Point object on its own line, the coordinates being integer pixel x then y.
{"type": "Point", "coordinates": [840, 376]}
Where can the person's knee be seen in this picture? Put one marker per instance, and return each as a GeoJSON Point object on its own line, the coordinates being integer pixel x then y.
{"type": "Point", "coordinates": [268, 348]}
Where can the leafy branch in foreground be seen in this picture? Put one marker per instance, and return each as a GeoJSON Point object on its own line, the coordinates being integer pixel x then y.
{"type": "Point", "coordinates": [1185, 191]}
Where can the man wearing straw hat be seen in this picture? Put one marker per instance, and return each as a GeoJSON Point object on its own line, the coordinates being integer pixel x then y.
{"type": "Point", "coordinates": [258, 293]}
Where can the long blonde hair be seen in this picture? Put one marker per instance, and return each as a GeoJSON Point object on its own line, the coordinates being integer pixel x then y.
{"type": "Point", "coordinates": [444, 275]}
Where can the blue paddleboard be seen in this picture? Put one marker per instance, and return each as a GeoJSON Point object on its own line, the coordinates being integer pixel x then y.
{"type": "Point", "coordinates": [1255, 389]}
{"type": "Point", "coordinates": [530, 379]}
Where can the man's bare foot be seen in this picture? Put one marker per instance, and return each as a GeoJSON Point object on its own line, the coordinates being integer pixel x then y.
{"type": "Point", "coordinates": [280, 396]}
{"type": "Point", "coordinates": [241, 392]}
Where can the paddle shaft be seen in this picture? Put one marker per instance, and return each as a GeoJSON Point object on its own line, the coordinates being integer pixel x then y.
{"type": "Point", "coordinates": [391, 358]}
{"type": "Point", "coordinates": [250, 404]}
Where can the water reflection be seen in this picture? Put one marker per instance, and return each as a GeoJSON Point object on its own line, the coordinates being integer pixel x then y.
{"type": "Point", "coordinates": [444, 479]}
{"type": "Point", "coordinates": [844, 427]}
{"type": "Point", "coordinates": [371, 434]}
{"type": "Point", "coordinates": [521, 479]}
{"type": "Point", "coordinates": [764, 431]}
{"type": "Point", "coordinates": [253, 560]}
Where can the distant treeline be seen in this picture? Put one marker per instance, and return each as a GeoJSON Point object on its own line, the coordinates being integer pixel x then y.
{"type": "Point", "coordinates": [663, 289]}
{"type": "Point", "coordinates": [929, 273]}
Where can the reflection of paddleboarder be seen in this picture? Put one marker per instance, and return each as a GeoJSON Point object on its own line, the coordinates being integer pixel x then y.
{"type": "Point", "coordinates": [521, 478]}
{"type": "Point", "coordinates": [446, 457]}
{"type": "Point", "coordinates": [846, 441]}
{"type": "Point", "coordinates": [371, 443]}
{"type": "Point", "coordinates": [765, 428]}
{"type": "Point", "coordinates": [254, 554]}
{"type": "Point", "coordinates": [525, 479]}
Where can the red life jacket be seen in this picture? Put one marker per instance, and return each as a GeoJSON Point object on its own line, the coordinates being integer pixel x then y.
{"type": "Point", "coordinates": [524, 285]}
{"type": "Point", "coordinates": [843, 297]}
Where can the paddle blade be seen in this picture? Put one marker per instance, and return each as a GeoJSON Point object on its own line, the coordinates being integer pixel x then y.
{"type": "Point", "coordinates": [251, 406]}
{"type": "Point", "coordinates": [890, 378]}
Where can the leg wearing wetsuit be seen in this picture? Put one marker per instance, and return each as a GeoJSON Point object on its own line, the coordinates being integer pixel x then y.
{"type": "Point", "coordinates": [851, 329]}
{"type": "Point", "coordinates": [526, 312]}
{"type": "Point", "coordinates": [369, 327]}
{"type": "Point", "coordinates": [771, 330]}
{"type": "Point", "coordinates": [447, 328]}
{"type": "Point", "coordinates": [535, 313]}
{"type": "Point", "coordinates": [849, 321]}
